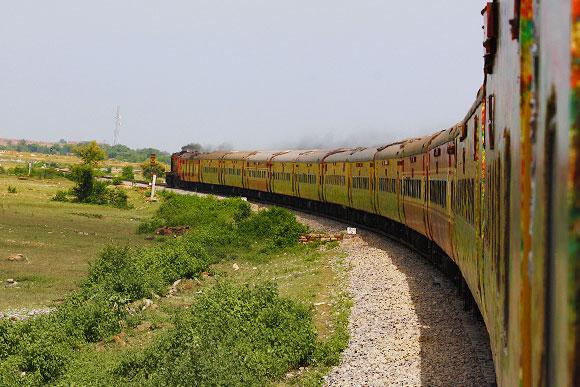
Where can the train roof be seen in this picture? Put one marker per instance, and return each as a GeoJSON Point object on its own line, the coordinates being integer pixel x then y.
{"type": "Point", "coordinates": [238, 155]}
{"type": "Point", "coordinates": [266, 156]}
{"type": "Point", "coordinates": [391, 151]}
{"type": "Point", "coordinates": [340, 156]}
{"type": "Point", "coordinates": [417, 146]}
{"type": "Point", "coordinates": [363, 154]}
{"type": "Point", "coordinates": [317, 156]}
{"type": "Point", "coordinates": [289, 156]}
{"type": "Point", "coordinates": [475, 105]}
{"type": "Point", "coordinates": [217, 155]}
{"type": "Point", "coordinates": [445, 137]}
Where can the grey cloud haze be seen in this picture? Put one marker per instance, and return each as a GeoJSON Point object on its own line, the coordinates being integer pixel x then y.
{"type": "Point", "coordinates": [254, 73]}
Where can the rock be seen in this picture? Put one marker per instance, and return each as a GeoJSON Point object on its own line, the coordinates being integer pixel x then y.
{"type": "Point", "coordinates": [147, 303]}
{"type": "Point", "coordinates": [236, 267]}
{"type": "Point", "coordinates": [10, 281]}
{"type": "Point", "coordinates": [145, 326]}
{"type": "Point", "coordinates": [176, 283]}
{"type": "Point", "coordinates": [16, 257]}
{"type": "Point", "coordinates": [120, 339]}
{"type": "Point", "coordinates": [319, 303]}
{"type": "Point", "coordinates": [187, 286]}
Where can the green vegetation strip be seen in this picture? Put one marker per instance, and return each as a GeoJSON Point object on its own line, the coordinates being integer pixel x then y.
{"type": "Point", "coordinates": [223, 332]}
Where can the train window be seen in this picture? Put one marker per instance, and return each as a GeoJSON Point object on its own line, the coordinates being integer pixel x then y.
{"type": "Point", "coordinates": [412, 188]}
{"type": "Point", "coordinates": [491, 121]}
{"type": "Point", "coordinates": [437, 152]}
{"type": "Point", "coordinates": [475, 137]}
{"type": "Point", "coordinates": [463, 131]}
{"type": "Point", "coordinates": [515, 22]}
{"type": "Point", "coordinates": [387, 185]}
{"type": "Point", "coordinates": [438, 192]}
{"type": "Point", "coordinates": [360, 182]}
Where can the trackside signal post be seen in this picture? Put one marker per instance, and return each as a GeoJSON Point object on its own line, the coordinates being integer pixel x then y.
{"type": "Point", "coordinates": [152, 162]}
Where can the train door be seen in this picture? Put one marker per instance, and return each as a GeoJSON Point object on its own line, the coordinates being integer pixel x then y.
{"type": "Point", "coordinates": [372, 186]}
{"type": "Point", "coordinates": [427, 192]}
{"type": "Point", "coordinates": [320, 181]}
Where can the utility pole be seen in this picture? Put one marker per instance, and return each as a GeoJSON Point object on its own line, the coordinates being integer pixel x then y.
{"type": "Point", "coordinates": [117, 126]}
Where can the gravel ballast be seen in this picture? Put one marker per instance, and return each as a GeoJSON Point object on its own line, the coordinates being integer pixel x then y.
{"type": "Point", "coordinates": [407, 326]}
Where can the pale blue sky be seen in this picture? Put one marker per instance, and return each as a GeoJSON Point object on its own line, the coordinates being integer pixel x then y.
{"type": "Point", "coordinates": [252, 73]}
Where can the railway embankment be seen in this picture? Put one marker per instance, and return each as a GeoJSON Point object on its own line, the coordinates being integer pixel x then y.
{"type": "Point", "coordinates": [407, 325]}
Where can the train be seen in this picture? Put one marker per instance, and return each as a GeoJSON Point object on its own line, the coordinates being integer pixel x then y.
{"type": "Point", "coordinates": [493, 199]}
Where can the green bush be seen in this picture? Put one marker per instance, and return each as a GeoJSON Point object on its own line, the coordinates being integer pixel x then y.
{"type": "Point", "coordinates": [117, 198]}
{"type": "Point", "coordinates": [117, 180]}
{"type": "Point", "coordinates": [232, 335]}
{"type": "Point", "coordinates": [60, 196]}
{"type": "Point", "coordinates": [276, 225]}
{"type": "Point", "coordinates": [93, 191]}
{"type": "Point", "coordinates": [2, 170]}
{"type": "Point", "coordinates": [84, 177]}
{"type": "Point", "coordinates": [150, 225]}
{"type": "Point", "coordinates": [127, 173]}
{"type": "Point", "coordinates": [11, 189]}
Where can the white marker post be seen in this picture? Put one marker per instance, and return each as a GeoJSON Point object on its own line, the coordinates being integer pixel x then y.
{"type": "Point", "coordinates": [153, 187]}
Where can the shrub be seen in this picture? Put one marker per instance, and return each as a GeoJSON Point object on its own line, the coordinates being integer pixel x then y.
{"type": "Point", "coordinates": [2, 170]}
{"type": "Point", "coordinates": [117, 180]}
{"type": "Point", "coordinates": [276, 225]}
{"type": "Point", "coordinates": [117, 198]}
{"type": "Point", "coordinates": [150, 225]}
{"type": "Point", "coordinates": [127, 173]}
{"type": "Point", "coordinates": [84, 176]}
{"type": "Point", "coordinates": [60, 196]}
{"type": "Point", "coordinates": [11, 189]}
{"type": "Point", "coordinates": [149, 170]}
{"type": "Point", "coordinates": [232, 335]}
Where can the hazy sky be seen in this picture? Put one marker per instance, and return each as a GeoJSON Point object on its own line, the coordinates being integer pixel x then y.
{"type": "Point", "coordinates": [251, 73]}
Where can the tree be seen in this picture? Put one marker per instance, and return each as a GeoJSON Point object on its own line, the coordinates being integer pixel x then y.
{"type": "Point", "coordinates": [127, 173]}
{"type": "Point", "coordinates": [153, 169]}
{"type": "Point", "coordinates": [91, 153]}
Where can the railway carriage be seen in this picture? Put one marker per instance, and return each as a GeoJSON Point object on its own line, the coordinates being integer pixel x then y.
{"type": "Point", "coordinates": [232, 168]}
{"type": "Point", "coordinates": [361, 164]}
{"type": "Point", "coordinates": [210, 166]}
{"type": "Point", "coordinates": [283, 169]}
{"type": "Point", "coordinates": [336, 183]}
{"type": "Point", "coordinates": [257, 171]}
{"type": "Point", "coordinates": [440, 173]}
{"type": "Point", "coordinates": [388, 175]}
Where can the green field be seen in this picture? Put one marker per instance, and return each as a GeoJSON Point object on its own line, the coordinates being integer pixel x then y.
{"type": "Point", "coordinates": [60, 240]}
{"type": "Point", "coordinates": [57, 239]}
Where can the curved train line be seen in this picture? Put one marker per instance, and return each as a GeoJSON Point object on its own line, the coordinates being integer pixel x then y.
{"type": "Point", "coordinates": [493, 201]}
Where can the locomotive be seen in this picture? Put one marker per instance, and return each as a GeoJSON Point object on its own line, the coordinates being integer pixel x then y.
{"type": "Point", "coordinates": [494, 199]}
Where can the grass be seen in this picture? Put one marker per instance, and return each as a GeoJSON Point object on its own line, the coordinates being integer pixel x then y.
{"type": "Point", "coordinates": [11, 159]}
{"type": "Point", "coordinates": [58, 239]}
{"type": "Point", "coordinates": [84, 343]}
